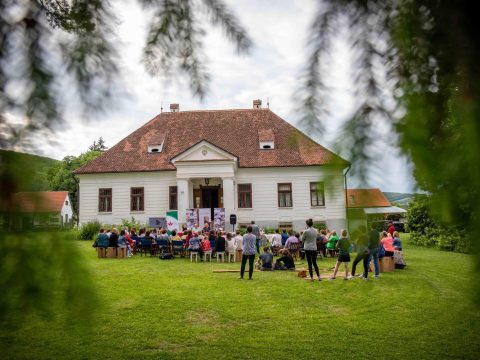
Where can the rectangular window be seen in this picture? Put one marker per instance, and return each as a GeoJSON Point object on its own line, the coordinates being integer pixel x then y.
{"type": "Point", "coordinates": [244, 195]}
{"type": "Point", "coordinates": [105, 200]}
{"type": "Point", "coordinates": [54, 219]}
{"type": "Point", "coordinates": [136, 199]}
{"type": "Point", "coordinates": [285, 195]}
{"type": "Point", "coordinates": [173, 197]}
{"type": "Point", "coordinates": [317, 196]}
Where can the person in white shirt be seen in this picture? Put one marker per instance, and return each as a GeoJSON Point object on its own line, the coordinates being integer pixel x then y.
{"type": "Point", "coordinates": [238, 241]}
{"type": "Point", "coordinates": [230, 242]}
{"type": "Point", "coordinates": [276, 242]}
{"type": "Point", "coordinates": [196, 229]}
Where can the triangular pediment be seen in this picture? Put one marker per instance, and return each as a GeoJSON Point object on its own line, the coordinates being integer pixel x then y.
{"type": "Point", "coordinates": [203, 151]}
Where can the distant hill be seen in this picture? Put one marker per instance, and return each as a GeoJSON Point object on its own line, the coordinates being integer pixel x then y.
{"type": "Point", "coordinates": [402, 199]}
{"type": "Point", "coordinates": [33, 168]}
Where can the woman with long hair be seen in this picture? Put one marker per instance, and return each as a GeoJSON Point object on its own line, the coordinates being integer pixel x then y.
{"type": "Point", "coordinates": [309, 240]}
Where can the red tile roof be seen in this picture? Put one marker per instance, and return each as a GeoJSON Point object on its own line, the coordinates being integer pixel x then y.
{"type": "Point", "coordinates": [39, 201]}
{"type": "Point", "coordinates": [361, 198]}
{"type": "Point", "coordinates": [236, 131]}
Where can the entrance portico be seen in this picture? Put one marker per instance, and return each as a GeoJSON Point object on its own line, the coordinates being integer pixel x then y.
{"type": "Point", "coordinates": [202, 163]}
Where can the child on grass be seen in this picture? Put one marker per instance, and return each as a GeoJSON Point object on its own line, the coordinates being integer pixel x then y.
{"type": "Point", "coordinates": [343, 246]}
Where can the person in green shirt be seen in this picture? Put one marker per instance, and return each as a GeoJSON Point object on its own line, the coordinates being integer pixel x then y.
{"type": "Point", "coordinates": [332, 243]}
{"type": "Point", "coordinates": [343, 247]}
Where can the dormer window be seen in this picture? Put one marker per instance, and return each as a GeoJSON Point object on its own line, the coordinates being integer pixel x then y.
{"type": "Point", "coordinates": [155, 148]}
{"type": "Point", "coordinates": [266, 139]}
{"type": "Point", "coordinates": [267, 145]}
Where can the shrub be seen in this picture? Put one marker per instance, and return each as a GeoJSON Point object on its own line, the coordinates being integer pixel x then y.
{"type": "Point", "coordinates": [132, 223]}
{"type": "Point", "coordinates": [242, 229]}
{"type": "Point", "coordinates": [89, 230]}
{"type": "Point", "coordinates": [450, 239]}
{"type": "Point", "coordinates": [268, 230]}
{"type": "Point", "coordinates": [418, 215]}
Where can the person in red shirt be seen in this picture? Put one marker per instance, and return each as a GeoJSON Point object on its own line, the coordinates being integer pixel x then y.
{"type": "Point", "coordinates": [387, 242]}
{"type": "Point", "coordinates": [206, 246]}
{"type": "Point", "coordinates": [391, 229]}
{"type": "Point", "coordinates": [187, 239]}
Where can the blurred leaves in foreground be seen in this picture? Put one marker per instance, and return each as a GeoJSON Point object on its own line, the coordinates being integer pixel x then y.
{"type": "Point", "coordinates": [415, 72]}
{"type": "Point", "coordinates": [53, 53]}
{"type": "Point", "coordinates": [42, 271]}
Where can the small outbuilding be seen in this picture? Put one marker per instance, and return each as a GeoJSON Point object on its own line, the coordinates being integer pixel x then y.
{"type": "Point", "coordinates": [369, 205]}
{"type": "Point", "coordinates": [37, 210]}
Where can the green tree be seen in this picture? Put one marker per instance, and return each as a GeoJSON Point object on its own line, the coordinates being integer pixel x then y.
{"type": "Point", "coordinates": [98, 145]}
{"type": "Point", "coordinates": [61, 176]}
{"type": "Point", "coordinates": [416, 71]}
{"type": "Point", "coordinates": [418, 215]}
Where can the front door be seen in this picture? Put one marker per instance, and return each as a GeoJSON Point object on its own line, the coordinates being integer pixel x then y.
{"type": "Point", "coordinates": [208, 197]}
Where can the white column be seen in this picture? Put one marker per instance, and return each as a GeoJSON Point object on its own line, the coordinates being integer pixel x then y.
{"type": "Point", "coordinates": [228, 198]}
{"type": "Point", "coordinates": [183, 191]}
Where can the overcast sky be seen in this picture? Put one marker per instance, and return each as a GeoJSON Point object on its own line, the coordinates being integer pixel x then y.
{"type": "Point", "coordinates": [279, 30]}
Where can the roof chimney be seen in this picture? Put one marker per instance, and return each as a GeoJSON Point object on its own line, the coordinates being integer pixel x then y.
{"type": "Point", "coordinates": [174, 107]}
{"type": "Point", "coordinates": [257, 104]}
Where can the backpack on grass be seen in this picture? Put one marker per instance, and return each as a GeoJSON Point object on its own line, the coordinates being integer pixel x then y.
{"type": "Point", "coordinates": [166, 256]}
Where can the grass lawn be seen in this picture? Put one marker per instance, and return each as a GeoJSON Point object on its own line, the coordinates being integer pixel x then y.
{"type": "Point", "coordinates": [181, 310]}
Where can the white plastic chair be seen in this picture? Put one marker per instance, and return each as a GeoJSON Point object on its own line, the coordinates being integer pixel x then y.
{"type": "Point", "coordinates": [208, 255]}
{"type": "Point", "coordinates": [222, 254]}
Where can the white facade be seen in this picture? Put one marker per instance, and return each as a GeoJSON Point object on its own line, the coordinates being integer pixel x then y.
{"type": "Point", "coordinates": [67, 212]}
{"type": "Point", "coordinates": [204, 160]}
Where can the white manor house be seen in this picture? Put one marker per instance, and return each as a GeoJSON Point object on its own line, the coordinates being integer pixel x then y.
{"type": "Point", "coordinates": [250, 162]}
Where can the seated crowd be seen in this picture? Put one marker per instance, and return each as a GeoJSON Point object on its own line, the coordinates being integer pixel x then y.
{"type": "Point", "coordinates": [309, 244]}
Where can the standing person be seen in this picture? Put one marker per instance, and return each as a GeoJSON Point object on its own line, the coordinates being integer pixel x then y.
{"type": "Point", "coordinates": [374, 248]}
{"type": "Point", "coordinates": [343, 245]}
{"type": "Point", "coordinates": [391, 229]}
{"type": "Point", "coordinates": [249, 250]}
{"type": "Point", "coordinates": [238, 240]}
{"type": "Point", "coordinates": [332, 243]}
{"type": "Point", "coordinates": [256, 232]}
{"type": "Point", "coordinates": [309, 240]}
{"type": "Point", "coordinates": [362, 252]}
{"type": "Point", "coordinates": [284, 237]}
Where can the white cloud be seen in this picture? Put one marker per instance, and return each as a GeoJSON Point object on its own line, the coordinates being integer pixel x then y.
{"type": "Point", "coordinates": [279, 30]}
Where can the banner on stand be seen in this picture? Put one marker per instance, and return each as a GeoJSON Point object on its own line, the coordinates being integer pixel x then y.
{"type": "Point", "coordinates": [191, 217]}
{"type": "Point", "coordinates": [219, 218]}
{"type": "Point", "coordinates": [157, 222]}
{"type": "Point", "coordinates": [172, 220]}
{"type": "Point", "coordinates": [204, 216]}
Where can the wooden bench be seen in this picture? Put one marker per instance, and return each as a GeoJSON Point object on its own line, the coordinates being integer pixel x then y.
{"type": "Point", "coordinates": [111, 252]}
{"type": "Point", "coordinates": [387, 264]}
{"type": "Point", "coordinates": [102, 252]}
{"type": "Point", "coordinates": [121, 252]}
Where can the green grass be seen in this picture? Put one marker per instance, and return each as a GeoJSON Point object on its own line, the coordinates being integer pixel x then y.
{"type": "Point", "coordinates": [181, 310]}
